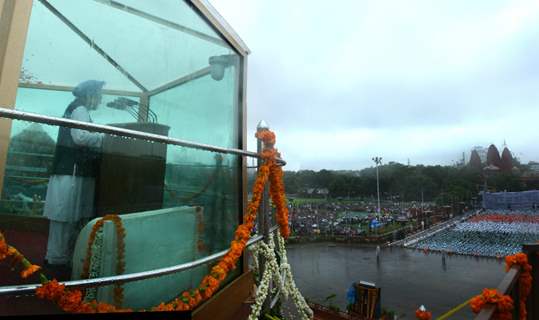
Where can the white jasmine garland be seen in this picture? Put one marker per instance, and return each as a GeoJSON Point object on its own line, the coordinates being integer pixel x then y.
{"type": "Point", "coordinates": [261, 293]}
{"type": "Point", "coordinates": [280, 274]}
{"type": "Point", "coordinates": [254, 261]}
{"type": "Point", "coordinates": [95, 264]}
{"type": "Point", "coordinates": [290, 285]}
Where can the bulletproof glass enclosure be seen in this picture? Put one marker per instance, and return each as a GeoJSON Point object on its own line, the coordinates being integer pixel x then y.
{"type": "Point", "coordinates": [168, 70]}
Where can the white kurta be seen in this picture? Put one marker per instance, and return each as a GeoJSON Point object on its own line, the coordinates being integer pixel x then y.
{"type": "Point", "coordinates": [70, 198]}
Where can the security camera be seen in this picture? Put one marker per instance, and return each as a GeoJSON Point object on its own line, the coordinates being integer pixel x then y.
{"type": "Point", "coordinates": [219, 63]}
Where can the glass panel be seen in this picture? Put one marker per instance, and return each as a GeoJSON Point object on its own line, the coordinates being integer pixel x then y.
{"type": "Point", "coordinates": [211, 181]}
{"type": "Point", "coordinates": [55, 55]}
{"type": "Point", "coordinates": [173, 65]}
{"type": "Point", "coordinates": [202, 110]}
{"type": "Point", "coordinates": [152, 53]}
{"type": "Point", "coordinates": [193, 196]}
{"type": "Point", "coordinates": [54, 103]}
{"type": "Point", "coordinates": [179, 204]}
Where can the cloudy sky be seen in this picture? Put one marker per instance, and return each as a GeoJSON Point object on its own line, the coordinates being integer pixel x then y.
{"type": "Point", "coordinates": [343, 81]}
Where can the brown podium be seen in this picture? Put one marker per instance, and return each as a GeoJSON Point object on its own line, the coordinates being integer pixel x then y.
{"type": "Point", "coordinates": [132, 172]}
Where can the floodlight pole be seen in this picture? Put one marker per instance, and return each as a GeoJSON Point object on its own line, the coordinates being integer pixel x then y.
{"type": "Point", "coordinates": [378, 161]}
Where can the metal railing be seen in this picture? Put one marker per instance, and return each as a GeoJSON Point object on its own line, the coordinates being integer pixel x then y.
{"type": "Point", "coordinates": [69, 123]}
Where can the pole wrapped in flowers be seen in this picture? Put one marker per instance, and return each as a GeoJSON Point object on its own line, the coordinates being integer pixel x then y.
{"type": "Point", "coordinates": [276, 190]}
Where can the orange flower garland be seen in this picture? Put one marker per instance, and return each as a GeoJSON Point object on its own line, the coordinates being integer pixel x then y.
{"type": "Point", "coordinates": [267, 136]}
{"type": "Point", "coordinates": [68, 300]}
{"type": "Point", "coordinates": [525, 279]}
{"type": "Point", "coordinates": [120, 259]}
{"type": "Point", "coordinates": [3, 248]}
{"type": "Point", "coordinates": [423, 314]}
{"type": "Point", "coordinates": [210, 283]}
{"type": "Point", "coordinates": [71, 300]}
{"type": "Point", "coordinates": [276, 191]}
{"type": "Point", "coordinates": [9, 251]}
{"type": "Point", "coordinates": [31, 269]}
{"type": "Point", "coordinates": [277, 194]}
{"type": "Point", "coordinates": [503, 303]}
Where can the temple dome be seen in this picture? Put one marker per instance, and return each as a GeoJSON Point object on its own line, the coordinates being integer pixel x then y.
{"type": "Point", "coordinates": [506, 161]}
{"type": "Point", "coordinates": [493, 156]}
{"type": "Point", "coordinates": [475, 160]}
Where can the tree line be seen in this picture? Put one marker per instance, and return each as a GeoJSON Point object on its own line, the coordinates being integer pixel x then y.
{"type": "Point", "coordinates": [441, 184]}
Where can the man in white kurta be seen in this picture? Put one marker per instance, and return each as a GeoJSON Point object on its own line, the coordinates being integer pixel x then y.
{"type": "Point", "coordinates": [70, 194]}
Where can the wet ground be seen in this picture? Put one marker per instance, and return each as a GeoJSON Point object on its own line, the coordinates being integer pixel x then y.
{"type": "Point", "coordinates": [407, 277]}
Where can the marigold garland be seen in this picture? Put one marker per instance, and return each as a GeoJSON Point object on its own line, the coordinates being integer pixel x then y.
{"type": "Point", "coordinates": [67, 300]}
{"type": "Point", "coordinates": [71, 300]}
{"type": "Point", "coordinates": [525, 278]}
{"type": "Point", "coordinates": [210, 283]}
{"type": "Point", "coordinates": [423, 314]}
{"type": "Point", "coordinates": [278, 197]}
{"type": "Point", "coordinates": [30, 270]}
{"type": "Point", "coordinates": [267, 136]}
{"type": "Point", "coordinates": [277, 192]}
{"type": "Point", "coordinates": [503, 304]}
{"type": "Point", "coordinates": [3, 247]}
{"type": "Point", "coordinates": [120, 259]}
{"type": "Point", "coordinates": [17, 258]}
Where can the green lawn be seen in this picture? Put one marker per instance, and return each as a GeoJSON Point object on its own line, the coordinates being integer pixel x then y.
{"type": "Point", "coordinates": [308, 200]}
{"type": "Point", "coordinates": [385, 229]}
{"type": "Point", "coordinates": [322, 200]}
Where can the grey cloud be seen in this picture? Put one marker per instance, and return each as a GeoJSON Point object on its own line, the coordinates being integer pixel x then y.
{"type": "Point", "coordinates": [406, 70]}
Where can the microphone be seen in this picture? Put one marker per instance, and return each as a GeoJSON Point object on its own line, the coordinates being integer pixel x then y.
{"type": "Point", "coordinates": [129, 105]}
{"type": "Point", "coordinates": [122, 103]}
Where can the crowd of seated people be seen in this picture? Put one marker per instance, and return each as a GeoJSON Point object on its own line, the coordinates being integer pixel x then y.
{"type": "Point", "coordinates": [493, 233]}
